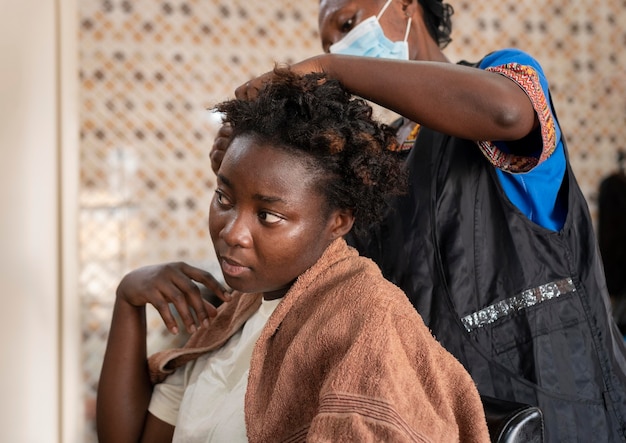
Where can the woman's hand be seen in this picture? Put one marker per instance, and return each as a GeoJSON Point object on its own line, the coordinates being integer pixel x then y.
{"type": "Point", "coordinates": [220, 145]}
{"type": "Point", "coordinates": [160, 285]}
{"type": "Point", "coordinates": [248, 91]}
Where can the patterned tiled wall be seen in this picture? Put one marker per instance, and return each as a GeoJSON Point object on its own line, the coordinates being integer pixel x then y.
{"type": "Point", "coordinates": [150, 69]}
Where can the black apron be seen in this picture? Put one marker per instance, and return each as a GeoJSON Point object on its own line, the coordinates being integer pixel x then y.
{"type": "Point", "coordinates": [524, 309]}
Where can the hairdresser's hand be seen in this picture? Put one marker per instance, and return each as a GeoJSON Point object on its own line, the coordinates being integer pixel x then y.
{"type": "Point", "coordinates": [250, 89]}
{"type": "Point", "coordinates": [319, 63]}
{"type": "Point", "coordinates": [220, 145]}
{"type": "Point", "coordinates": [162, 284]}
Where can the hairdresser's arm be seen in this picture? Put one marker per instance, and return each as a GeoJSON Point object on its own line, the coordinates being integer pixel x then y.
{"type": "Point", "coordinates": [124, 390]}
{"type": "Point", "coordinates": [458, 100]}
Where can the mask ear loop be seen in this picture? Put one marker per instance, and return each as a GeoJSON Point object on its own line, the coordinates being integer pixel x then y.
{"type": "Point", "coordinates": [408, 24]}
{"type": "Point", "coordinates": [384, 8]}
{"type": "Point", "coordinates": [408, 28]}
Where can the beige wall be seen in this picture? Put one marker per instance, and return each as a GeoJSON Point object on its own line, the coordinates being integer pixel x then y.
{"type": "Point", "coordinates": [150, 69]}
{"type": "Point", "coordinates": [147, 75]}
{"type": "Point", "coordinates": [31, 253]}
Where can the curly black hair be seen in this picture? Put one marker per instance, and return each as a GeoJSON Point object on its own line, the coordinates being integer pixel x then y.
{"type": "Point", "coordinates": [437, 17]}
{"type": "Point", "coordinates": [314, 114]}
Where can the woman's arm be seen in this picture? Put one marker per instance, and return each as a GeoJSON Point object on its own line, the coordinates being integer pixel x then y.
{"type": "Point", "coordinates": [125, 390]}
{"type": "Point", "coordinates": [157, 431]}
{"type": "Point", "coordinates": [457, 100]}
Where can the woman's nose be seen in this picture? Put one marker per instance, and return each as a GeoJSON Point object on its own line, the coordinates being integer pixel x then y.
{"type": "Point", "coordinates": [236, 231]}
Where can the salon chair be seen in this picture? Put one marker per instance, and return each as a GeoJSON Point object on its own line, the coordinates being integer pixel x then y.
{"type": "Point", "coordinates": [511, 422]}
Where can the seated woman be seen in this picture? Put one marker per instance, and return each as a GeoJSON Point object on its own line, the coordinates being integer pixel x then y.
{"type": "Point", "coordinates": [313, 343]}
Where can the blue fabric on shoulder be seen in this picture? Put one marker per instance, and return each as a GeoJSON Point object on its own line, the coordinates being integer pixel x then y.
{"type": "Point", "coordinates": [534, 192]}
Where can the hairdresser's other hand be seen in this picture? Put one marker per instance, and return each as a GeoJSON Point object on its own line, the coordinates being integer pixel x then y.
{"type": "Point", "coordinates": [250, 89]}
{"type": "Point", "coordinates": [160, 285]}
{"type": "Point", "coordinates": [220, 145]}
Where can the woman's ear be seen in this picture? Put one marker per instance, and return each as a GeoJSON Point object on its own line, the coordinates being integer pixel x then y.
{"type": "Point", "coordinates": [341, 222]}
{"type": "Point", "coordinates": [409, 7]}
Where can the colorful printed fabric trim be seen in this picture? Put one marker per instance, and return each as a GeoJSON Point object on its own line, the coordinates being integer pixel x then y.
{"type": "Point", "coordinates": [407, 144]}
{"type": "Point", "coordinates": [526, 77]}
{"type": "Point", "coordinates": [526, 299]}
{"type": "Point", "coordinates": [410, 141]}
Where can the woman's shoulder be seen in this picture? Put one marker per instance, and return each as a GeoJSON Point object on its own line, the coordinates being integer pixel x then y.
{"type": "Point", "coordinates": [369, 290]}
{"type": "Point", "coordinates": [351, 283]}
{"type": "Point", "coordinates": [509, 56]}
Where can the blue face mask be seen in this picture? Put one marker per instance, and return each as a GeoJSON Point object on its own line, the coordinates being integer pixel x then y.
{"type": "Point", "coordinates": [368, 39]}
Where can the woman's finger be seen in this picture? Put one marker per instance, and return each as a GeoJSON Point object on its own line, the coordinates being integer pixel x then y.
{"type": "Point", "coordinates": [250, 89]}
{"type": "Point", "coordinates": [182, 302]}
{"type": "Point", "coordinates": [212, 310]}
{"type": "Point", "coordinates": [163, 307]}
{"type": "Point", "coordinates": [220, 145]}
{"type": "Point", "coordinates": [226, 130]}
{"type": "Point", "coordinates": [242, 91]}
{"type": "Point", "coordinates": [208, 280]}
{"type": "Point", "coordinates": [194, 299]}
{"type": "Point", "coordinates": [216, 160]}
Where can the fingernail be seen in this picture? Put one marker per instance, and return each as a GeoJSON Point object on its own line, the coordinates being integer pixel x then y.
{"type": "Point", "coordinates": [174, 330]}
{"type": "Point", "coordinates": [205, 322]}
{"type": "Point", "coordinates": [192, 329]}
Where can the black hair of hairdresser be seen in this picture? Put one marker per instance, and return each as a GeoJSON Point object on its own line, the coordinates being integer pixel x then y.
{"type": "Point", "coordinates": [438, 20]}
{"type": "Point", "coordinates": [316, 116]}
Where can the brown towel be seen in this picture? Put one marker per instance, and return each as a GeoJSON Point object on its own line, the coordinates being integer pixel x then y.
{"type": "Point", "coordinates": [344, 357]}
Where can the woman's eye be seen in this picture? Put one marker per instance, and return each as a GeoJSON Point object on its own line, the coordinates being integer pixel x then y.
{"type": "Point", "coordinates": [347, 25]}
{"type": "Point", "coordinates": [269, 218]}
{"type": "Point", "coordinates": [221, 198]}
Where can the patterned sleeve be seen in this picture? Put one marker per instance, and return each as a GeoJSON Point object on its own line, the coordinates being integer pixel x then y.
{"type": "Point", "coordinates": [527, 73]}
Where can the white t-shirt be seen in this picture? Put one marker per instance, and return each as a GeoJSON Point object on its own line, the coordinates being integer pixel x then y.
{"type": "Point", "coordinates": [204, 399]}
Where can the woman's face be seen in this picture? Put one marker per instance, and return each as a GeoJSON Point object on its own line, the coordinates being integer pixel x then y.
{"type": "Point", "coordinates": [338, 17]}
{"type": "Point", "coordinates": [267, 222]}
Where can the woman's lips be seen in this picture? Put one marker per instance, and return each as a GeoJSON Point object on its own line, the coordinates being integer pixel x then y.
{"type": "Point", "coordinates": [232, 268]}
